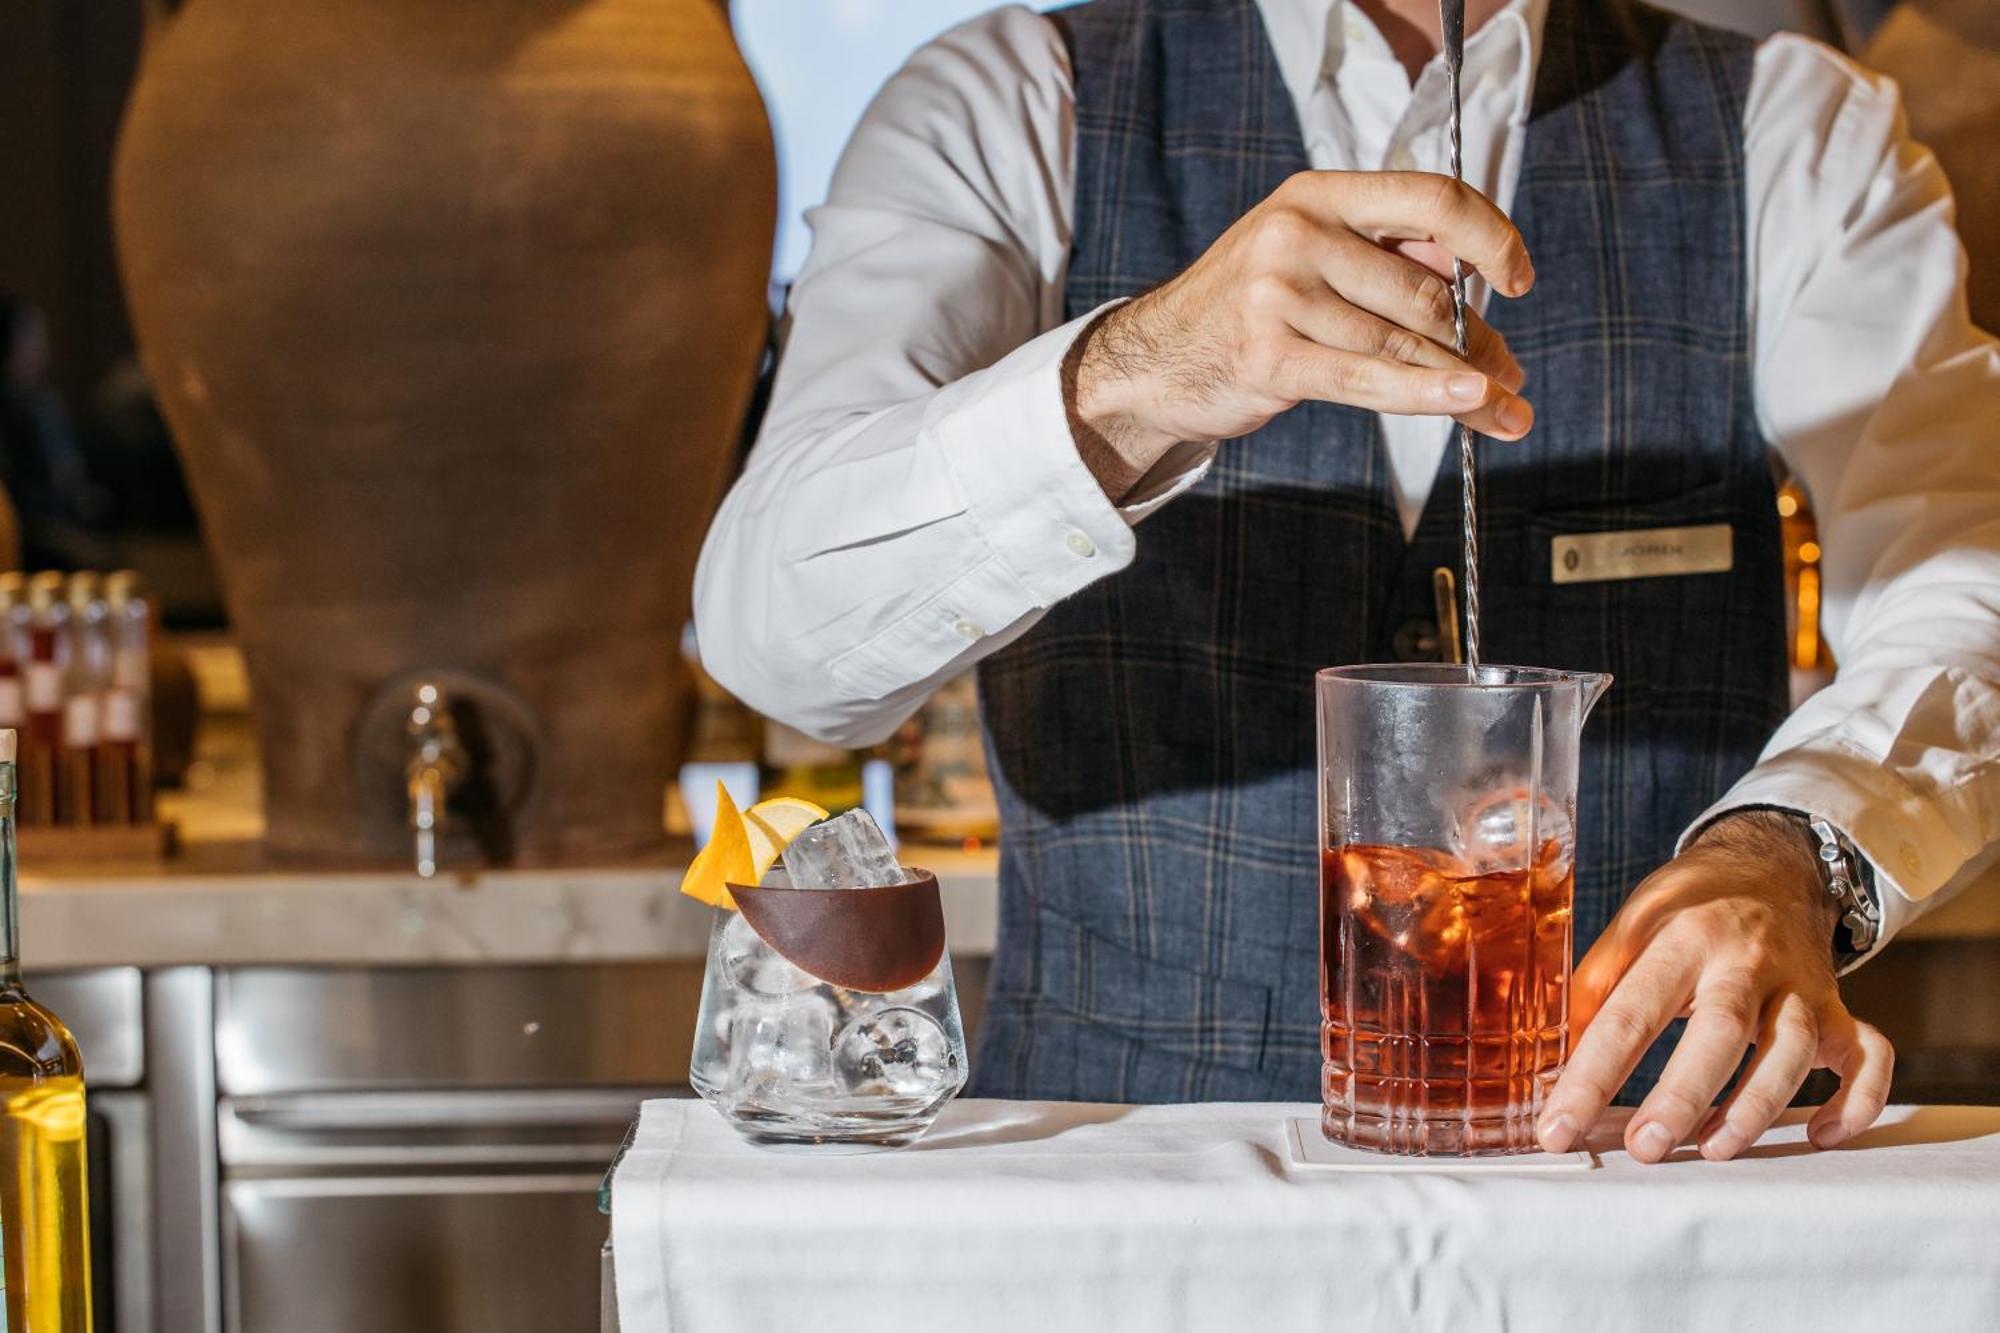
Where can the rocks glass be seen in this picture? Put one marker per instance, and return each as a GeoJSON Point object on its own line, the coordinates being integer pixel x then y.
{"type": "Point", "coordinates": [828, 1019]}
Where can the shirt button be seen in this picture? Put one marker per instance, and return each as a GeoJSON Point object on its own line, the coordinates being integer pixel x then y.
{"type": "Point", "coordinates": [1402, 160]}
{"type": "Point", "coordinates": [967, 630]}
{"type": "Point", "coordinates": [1080, 543]}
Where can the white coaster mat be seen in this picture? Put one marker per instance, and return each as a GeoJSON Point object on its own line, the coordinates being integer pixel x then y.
{"type": "Point", "coordinates": [1310, 1148]}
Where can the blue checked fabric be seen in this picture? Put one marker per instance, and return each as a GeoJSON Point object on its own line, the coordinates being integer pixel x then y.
{"type": "Point", "coordinates": [1152, 740]}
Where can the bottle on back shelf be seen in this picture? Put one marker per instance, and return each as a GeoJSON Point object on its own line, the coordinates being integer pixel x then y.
{"type": "Point", "coordinates": [42, 666]}
{"type": "Point", "coordinates": [124, 778]}
{"type": "Point", "coordinates": [794, 764]}
{"type": "Point", "coordinates": [943, 792]}
{"type": "Point", "coordinates": [44, 1221]}
{"type": "Point", "coordinates": [87, 675]}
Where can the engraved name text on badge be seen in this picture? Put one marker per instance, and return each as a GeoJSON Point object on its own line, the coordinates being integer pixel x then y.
{"type": "Point", "coordinates": [1642, 553]}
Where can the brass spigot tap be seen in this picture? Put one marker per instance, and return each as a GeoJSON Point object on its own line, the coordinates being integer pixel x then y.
{"type": "Point", "coordinates": [437, 764]}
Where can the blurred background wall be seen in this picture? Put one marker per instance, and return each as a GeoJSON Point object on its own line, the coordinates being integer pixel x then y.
{"type": "Point", "coordinates": [65, 69]}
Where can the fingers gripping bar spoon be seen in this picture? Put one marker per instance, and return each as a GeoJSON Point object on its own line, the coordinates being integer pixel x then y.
{"type": "Point", "coordinates": [1451, 17]}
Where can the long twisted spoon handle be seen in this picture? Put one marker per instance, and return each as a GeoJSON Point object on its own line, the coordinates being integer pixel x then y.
{"type": "Point", "coordinates": [1451, 21]}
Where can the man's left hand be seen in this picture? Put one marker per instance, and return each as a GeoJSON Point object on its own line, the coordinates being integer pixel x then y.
{"type": "Point", "coordinates": [1735, 934]}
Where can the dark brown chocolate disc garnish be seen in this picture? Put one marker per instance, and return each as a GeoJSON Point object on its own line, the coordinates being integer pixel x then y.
{"type": "Point", "coordinates": [876, 939]}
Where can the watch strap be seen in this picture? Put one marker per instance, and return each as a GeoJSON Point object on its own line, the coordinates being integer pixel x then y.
{"type": "Point", "coordinates": [1849, 881]}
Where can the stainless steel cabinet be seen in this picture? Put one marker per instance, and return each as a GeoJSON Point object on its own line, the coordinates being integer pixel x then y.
{"type": "Point", "coordinates": [295, 1029]}
{"type": "Point", "coordinates": [504, 1252]}
{"type": "Point", "coordinates": [405, 1149]}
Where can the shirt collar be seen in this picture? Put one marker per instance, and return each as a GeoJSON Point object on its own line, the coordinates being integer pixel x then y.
{"type": "Point", "coordinates": [1309, 40]}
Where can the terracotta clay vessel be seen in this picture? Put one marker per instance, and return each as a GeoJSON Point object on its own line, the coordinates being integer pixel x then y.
{"type": "Point", "coordinates": [454, 310]}
{"type": "Point", "coordinates": [1946, 56]}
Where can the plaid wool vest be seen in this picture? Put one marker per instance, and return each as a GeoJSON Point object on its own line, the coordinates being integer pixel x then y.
{"type": "Point", "coordinates": [1152, 739]}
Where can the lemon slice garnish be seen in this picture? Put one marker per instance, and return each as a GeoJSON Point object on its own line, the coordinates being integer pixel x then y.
{"type": "Point", "coordinates": [772, 825]}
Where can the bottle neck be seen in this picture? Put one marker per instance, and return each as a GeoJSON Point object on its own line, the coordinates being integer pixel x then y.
{"type": "Point", "coordinates": [10, 896]}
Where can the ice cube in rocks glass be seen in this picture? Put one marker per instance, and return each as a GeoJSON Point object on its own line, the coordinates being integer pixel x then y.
{"type": "Point", "coordinates": [845, 852]}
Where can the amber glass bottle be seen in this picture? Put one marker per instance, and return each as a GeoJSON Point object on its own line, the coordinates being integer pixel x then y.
{"type": "Point", "coordinates": [44, 1227]}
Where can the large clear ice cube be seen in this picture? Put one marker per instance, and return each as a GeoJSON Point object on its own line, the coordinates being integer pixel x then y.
{"type": "Point", "coordinates": [1505, 828]}
{"type": "Point", "coordinates": [846, 852]}
{"type": "Point", "coordinates": [780, 1049]}
{"type": "Point", "coordinates": [895, 1050]}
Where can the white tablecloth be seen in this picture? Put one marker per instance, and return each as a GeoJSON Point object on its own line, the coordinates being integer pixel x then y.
{"type": "Point", "coordinates": [1043, 1216]}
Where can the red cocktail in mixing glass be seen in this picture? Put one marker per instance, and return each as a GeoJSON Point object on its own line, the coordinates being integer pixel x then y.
{"type": "Point", "coordinates": [1447, 860]}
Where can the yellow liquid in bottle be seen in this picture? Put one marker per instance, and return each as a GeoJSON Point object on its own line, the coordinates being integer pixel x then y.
{"type": "Point", "coordinates": [44, 1216]}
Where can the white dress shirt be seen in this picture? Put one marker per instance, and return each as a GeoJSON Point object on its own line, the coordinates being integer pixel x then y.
{"type": "Point", "coordinates": [916, 501]}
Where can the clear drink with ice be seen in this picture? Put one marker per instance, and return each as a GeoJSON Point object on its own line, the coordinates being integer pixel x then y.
{"type": "Point", "coordinates": [795, 1061]}
{"type": "Point", "coordinates": [1447, 867]}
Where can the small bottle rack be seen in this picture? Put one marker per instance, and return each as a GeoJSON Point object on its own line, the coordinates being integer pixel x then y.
{"type": "Point", "coordinates": [76, 683]}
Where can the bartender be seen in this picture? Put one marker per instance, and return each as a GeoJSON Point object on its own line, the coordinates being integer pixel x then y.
{"type": "Point", "coordinates": [1121, 369]}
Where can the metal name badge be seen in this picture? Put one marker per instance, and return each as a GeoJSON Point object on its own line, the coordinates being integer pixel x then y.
{"type": "Point", "coordinates": [1642, 553]}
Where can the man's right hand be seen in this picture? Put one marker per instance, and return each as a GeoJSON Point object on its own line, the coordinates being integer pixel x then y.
{"type": "Point", "coordinates": [1337, 288]}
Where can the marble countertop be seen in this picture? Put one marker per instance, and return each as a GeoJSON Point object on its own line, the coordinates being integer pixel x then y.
{"type": "Point", "coordinates": [217, 904]}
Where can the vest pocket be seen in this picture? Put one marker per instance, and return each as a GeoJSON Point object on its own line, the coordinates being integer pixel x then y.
{"type": "Point", "coordinates": [1163, 1007]}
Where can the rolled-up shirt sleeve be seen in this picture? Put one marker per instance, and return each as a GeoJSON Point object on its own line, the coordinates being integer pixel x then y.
{"type": "Point", "coordinates": [1884, 401]}
{"type": "Point", "coordinates": [915, 499]}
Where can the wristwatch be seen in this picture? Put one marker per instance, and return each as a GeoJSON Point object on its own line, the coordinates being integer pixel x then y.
{"type": "Point", "coordinates": [1850, 882]}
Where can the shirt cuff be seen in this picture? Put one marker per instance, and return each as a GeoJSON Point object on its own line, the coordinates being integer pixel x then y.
{"type": "Point", "coordinates": [1178, 470]}
{"type": "Point", "coordinates": [1006, 441]}
{"type": "Point", "coordinates": [1906, 839]}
